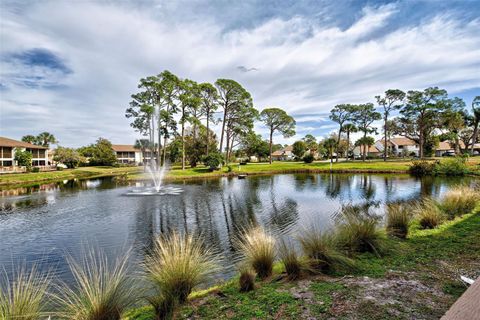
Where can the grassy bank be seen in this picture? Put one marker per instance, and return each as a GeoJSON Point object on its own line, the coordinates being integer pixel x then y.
{"type": "Point", "coordinates": [418, 278]}
{"type": "Point", "coordinates": [23, 179]}
{"type": "Point", "coordinates": [377, 166]}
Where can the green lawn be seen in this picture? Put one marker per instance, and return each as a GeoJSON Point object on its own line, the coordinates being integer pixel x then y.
{"type": "Point", "coordinates": [50, 176]}
{"type": "Point", "coordinates": [376, 166]}
{"type": "Point", "coordinates": [417, 279]}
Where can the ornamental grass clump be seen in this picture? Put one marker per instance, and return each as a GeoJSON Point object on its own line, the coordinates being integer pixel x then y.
{"type": "Point", "coordinates": [429, 214]}
{"type": "Point", "coordinates": [246, 280]}
{"type": "Point", "coordinates": [322, 250]}
{"type": "Point", "coordinates": [103, 290]}
{"type": "Point", "coordinates": [398, 217]}
{"type": "Point", "coordinates": [459, 201]}
{"type": "Point", "coordinates": [25, 296]}
{"type": "Point", "coordinates": [358, 230]}
{"type": "Point", "coordinates": [258, 250]}
{"type": "Point", "coordinates": [290, 259]}
{"type": "Point", "coordinates": [178, 264]}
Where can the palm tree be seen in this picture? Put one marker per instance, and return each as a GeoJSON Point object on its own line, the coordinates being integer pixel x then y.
{"type": "Point", "coordinates": [366, 143]}
{"type": "Point", "coordinates": [349, 128]}
{"type": "Point", "coordinates": [143, 144]}
{"type": "Point", "coordinates": [330, 144]}
{"type": "Point", "coordinates": [46, 138]}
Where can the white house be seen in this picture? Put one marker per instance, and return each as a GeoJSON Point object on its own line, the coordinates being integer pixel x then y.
{"type": "Point", "coordinates": [8, 147]}
{"type": "Point", "coordinates": [283, 154]}
{"type": "Point", "coordinates": [399, 146]}
{"type": "Point", "coordinates": [128, 154]}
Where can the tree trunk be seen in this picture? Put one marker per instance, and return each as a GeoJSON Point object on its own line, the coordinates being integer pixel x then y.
{"type": "Point", "coordinates": [385, 144]}
{"type": "Point", "coordinates": [208, 132]}
{"type": "Point", "coordinates": [338, 142]}
{"type": "Point", "coordinates": [183, 145]}
{"type": "Point", "coordinates": [223, 128]}
{"type": "Point", "coordinates": [164, 149]}
{"type": "Point", "coordinates": [348, 143]}
{"type": "Point", "coordinates": [420, 145]}
{"type": "Point", "coordinates": [271, 138]}
{"type": "Point", "coordinates": [474, 136]}
{"type": "Point", "coordinates": [159, 144]}
{"type": "Point", "coordinates": [364, 147]}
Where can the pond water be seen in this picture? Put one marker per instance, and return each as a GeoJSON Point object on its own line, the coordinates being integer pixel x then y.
{"type": "Point", "coordinates": [43, 224]}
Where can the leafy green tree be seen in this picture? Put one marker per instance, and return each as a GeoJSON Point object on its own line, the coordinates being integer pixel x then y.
{"type": "Point", "coordinates": [299, 148]}
{"type": "Point", "coordinates": [363, 116]}
{"type": "Point", "coordinates": [311, 143]}
{"type": "Point", "coordinates": [209, 98]}
{"type": "Point", "coordinates": [24, 159]}
{"type": "Point", "coordinates": [330, 145]}
{"type": "Point", "coordinates": [454, 120]}
{"type": "Point", "coordinates": [68, 156]}
{"type": "Point", "coordinates": [213, 160]}
{"type": "Point", "coordinates": [393, 100]}
{"type": "Point", "coordinates": [103, 154]}
{"type": "Point", "coordinates": [45, 139]}
{"type": "Point", "coordinates": [349, 128]}
{"type": "Point", "coordinates": [365, 143]}
{"type": "Point", "coordinates": [189, 98]}
{"type": "Point", "coordinates": [238, 112]}
{"type": "Point", "coordinates": [421, 115]}
{"type": "Point", "coordinates": [340, 114]}
{"type": "Point", "coordinates": [277, 120]}
{"type": "Point", "coordinates": [252, 144]}
{"type": "Point", "coordinates": [30, 139]}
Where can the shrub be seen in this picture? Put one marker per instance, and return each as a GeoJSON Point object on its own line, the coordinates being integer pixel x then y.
{"type": "Point", "coordinates": [459, 201]}
{"type": "Point", "coordinates": [322, 250]}
{"type": "Point", "coordinates": [422, 168]}
{"type": "Point", "coordinates": [25, 296]}
{"type": "Point", "coordinates": [247, 278]}
{"type": "Point", "coordinates": [358, 230]}
{"type": "Point", "coordinates": [258, 250]}
{"type": "Point", "coordinates": [59, 168]}
{"type": "Point", "coordinates": [398, 219]}
{"type": "Point", "coordinates": [308, 158]}
{"type": "Point", "coordinates": [178, 264]}
{"type": "Point", "coordinates": [452, 167]}
{"type": "Point", "coordinates": [213, 160]}
{"type": "Point", "coordinates": [229, 168]}
{"type": "Point", "coordinates": [429, 214]}
{"type": "Point", "coordinates": [35, 169]}
{"type": "Point", "coordinates": [290, 259]}
{"type": "Point", "coordinates": [104, 290]}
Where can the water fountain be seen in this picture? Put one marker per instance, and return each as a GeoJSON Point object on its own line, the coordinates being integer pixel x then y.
{"type": "Point", "coordinates": [156, 174]}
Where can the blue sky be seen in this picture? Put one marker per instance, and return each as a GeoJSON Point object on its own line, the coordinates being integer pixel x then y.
{"type": "Point", "coordinates": [69, 67]}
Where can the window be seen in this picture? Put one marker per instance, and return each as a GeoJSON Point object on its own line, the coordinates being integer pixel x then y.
{"type": "Point", "coordinates": [5, 152]}
{"type": "Point", "coordinates": [6, 163]}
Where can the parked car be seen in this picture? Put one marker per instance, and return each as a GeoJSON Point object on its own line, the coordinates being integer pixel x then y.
{"type": "Point", "coordinates": [448, 154]}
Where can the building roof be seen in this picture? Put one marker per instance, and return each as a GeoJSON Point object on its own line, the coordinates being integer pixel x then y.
{"type": "Point", "coordinates": [445, 145]}
{"type": "Point", "coordinates": [389, 143]}
{"type": "Point", "coordinates": [124, 148]}
{"type": "Point", "coordinates": [282, 151]}
{"type": "Point", "coordinates": [402, 141]}
{"type": "Point", "coordinates": [7, 142]}
{"type": "Point", "coordinates": [371, 149]}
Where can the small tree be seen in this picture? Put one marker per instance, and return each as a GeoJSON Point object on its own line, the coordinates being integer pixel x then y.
{"type": "Point", "coordinates": [330, 144]}
{"type": "Point", "coordinates": [311, 143]}
{"type": "Point", "coordinates": [277, 120]}
{"type": "Point", "coordinates": [24, 159]}
{"type": "Point", "coordinates": [299, 148]}
{"type": "Point", "coordinates": [366, 143]}
{"type": "Point", "coordinates": [68, 156]}
{"type": "Point", "coordinates": [393, 100]}
{"type": "Point", "coordinates": [103, 154]}
{"type": "Point", "coordinates": [340, 114]}
{"type": "Point", "coordinates": [349, 128]}
{"type": "Point", "coordinates": [213, 160]}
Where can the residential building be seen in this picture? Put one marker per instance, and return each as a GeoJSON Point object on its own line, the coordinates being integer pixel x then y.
{"type": "Point", "coordinates": [399, 146]}
{"type": "Point", "coordinates": [283, 154]}
{"type": "Point", "coordinates": [372, 151]}
{"type": "Point", "coordinates": [8, 148]}
{"type": "Point", "coordinates": [128, 154]}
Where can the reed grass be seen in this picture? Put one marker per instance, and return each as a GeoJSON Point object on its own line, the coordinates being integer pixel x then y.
{"type": "Point", "coordinates": [459, 201]}
{"type": "Point", "coordinates": [24, 297]}
{"type": "Point", "coordinates": [246, 280]}
{"type": "Point", "coordinates": [103, 288]}
{"type": "Point", "coordinates": [293, 264]}
{"type": "Point", "coordinates": [258, 250]}
{"type": "Point", "coordinates": [358, 230]}
{"type": "Point", "coordinates": [429, 214]}
{"type": "Point", "coordinates": [398, 217]}
{"type": "Point", "coordinates": [323, 251]}
{"type": "Point", "coordinates": [178, 264]}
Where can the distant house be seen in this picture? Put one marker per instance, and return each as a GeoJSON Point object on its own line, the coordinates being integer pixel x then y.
{"type": "Point", "coordinates": [283, 154]}
{"type": "Point", "coordinates": [399, 146]}
{"type": "Point", "coordinates": [372, 151]}
{"type": "Point", "coordinates": [128, 154]}
{"type": "Point", "coordinates": [8, 147]}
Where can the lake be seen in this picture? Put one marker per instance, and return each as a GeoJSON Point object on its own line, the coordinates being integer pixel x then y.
{"type": "Point", "coordinates": [41, 225]}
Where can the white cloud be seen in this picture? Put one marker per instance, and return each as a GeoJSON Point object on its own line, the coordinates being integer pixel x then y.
{"type": "Point", "coordinates": [305, 66]}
